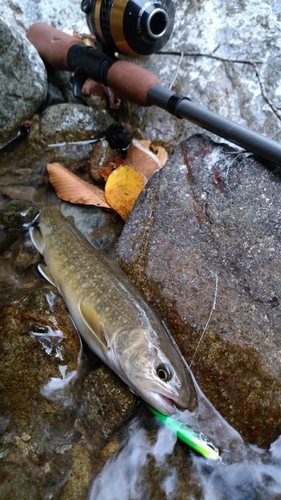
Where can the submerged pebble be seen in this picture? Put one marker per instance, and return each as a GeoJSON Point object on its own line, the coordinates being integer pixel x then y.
{"type": "Point", "coordinates": [13, 479]}
{"type": "Point", "coordinates": [15, 217]}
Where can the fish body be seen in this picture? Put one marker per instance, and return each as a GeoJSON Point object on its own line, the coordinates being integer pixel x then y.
{"type": "Point", "coordinates": [111, 315]}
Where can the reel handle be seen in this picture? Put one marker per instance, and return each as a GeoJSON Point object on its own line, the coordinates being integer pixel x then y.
{"type": "Point", "coordinates": [65, 52]}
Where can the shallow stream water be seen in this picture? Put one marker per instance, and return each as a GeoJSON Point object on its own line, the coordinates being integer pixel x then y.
{"type": "Point", "coordinates": [149, 462]}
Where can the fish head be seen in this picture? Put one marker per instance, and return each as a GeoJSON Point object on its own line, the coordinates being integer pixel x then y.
{"type": "Point", "coordinates": [158, 374]}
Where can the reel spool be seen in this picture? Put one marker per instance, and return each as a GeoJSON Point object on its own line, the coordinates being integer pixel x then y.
{"type": "Point", "coordinates": [130, 27]}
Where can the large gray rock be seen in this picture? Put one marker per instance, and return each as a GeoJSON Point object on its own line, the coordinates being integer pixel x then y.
{"type": "Point", "coordinates": [225, 57]}
{"type": "Point", "coordinates": [204, 236]}
{"type": "Point", "coordinates": [63, 15]}
{"type": "Point", "coordinates": [23, 81]}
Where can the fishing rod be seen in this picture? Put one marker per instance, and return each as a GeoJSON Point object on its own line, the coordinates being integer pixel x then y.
{"type": "Point", "coordinates": [135, 28]}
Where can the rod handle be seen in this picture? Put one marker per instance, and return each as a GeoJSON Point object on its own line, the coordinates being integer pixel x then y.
{"type": "Point", "coordinates": [131, 82]}
{"type": "Point", "coordinates": [52, 44]}
{"type": "Point", "coordinates": [127, 80]}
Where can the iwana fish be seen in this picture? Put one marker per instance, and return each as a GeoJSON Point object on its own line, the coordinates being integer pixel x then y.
{"type": "Point", "coordinates": [111, 315]}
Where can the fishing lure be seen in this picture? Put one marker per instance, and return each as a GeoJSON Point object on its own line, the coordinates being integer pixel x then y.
{"type": "Point", "coordinates": [195, 440]}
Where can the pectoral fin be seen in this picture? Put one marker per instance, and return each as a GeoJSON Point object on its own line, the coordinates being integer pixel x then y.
{"type": "Point", "coordinates": [91, 318]}
{"type": "Point", "coordinates": [36, 239]}
{"type": "Point", "coordinates": [42, 268]}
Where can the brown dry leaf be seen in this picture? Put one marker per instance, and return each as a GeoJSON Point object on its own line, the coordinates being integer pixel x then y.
{"type": "Point", "coordinates": [122, 189]}
{"type": "Point", "coordinates": [147, 157]}
{"type": "Point", "coordinates": [160, 152]}
{"type": "Point", "coordinates": [71, 188]}
{"type": "Point", "coordinates": [142, 158]}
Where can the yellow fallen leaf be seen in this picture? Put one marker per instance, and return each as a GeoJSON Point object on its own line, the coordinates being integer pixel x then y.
{"type": "Point", "coordinates": [122, 189]}
{"type": "Point", "coordinates": [71, 188]}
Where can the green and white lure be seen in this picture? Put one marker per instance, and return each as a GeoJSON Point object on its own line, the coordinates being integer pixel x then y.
{"type": "Point", "coordinates": [195, 440]}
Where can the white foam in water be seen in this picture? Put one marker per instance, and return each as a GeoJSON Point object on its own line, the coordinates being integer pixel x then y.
{"type": "Point", "coordinates": [255, 475]}
{"type": "Point", "coordinates": [164, 446]}
{"type": "Point", "coordinates": [57, 383]}
{"type": "Point", "coordinates": [275, 450]}
{"type": "Point", "coordinates": [121, 476]}
{"type": "Point", "coordinates": [169, 484]}
{"type": "Point", "coordinates": [250, 479]}
{"type": "Point", "coordinates": [244, 472]}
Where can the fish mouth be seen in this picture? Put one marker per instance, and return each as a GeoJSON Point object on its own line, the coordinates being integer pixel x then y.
{"type": "Point", "coordinates": [164, 404]}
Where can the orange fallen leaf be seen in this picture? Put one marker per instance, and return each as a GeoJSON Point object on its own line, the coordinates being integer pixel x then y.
{"type": "Point", "coordinates": [122, 189]}
{"type": "Point", "coordinates": [71, 188]}
{"type": "Point", "coordinates": [108, 167]}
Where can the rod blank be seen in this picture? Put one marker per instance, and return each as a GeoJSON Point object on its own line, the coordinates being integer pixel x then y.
{"type": "Point", "coordinates": [182, 107]}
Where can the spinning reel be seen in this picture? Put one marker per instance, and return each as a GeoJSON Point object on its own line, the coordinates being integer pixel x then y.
{"type": "Point", "coordinates": [130, 27]}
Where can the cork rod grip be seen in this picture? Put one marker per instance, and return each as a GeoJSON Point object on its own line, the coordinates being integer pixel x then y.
{"type": "Point", "coordinates": [127, 80]}
{"type": "Point", "coordinates": [51, 44]}
{"type": "Point", "coordinates": [131, 82]}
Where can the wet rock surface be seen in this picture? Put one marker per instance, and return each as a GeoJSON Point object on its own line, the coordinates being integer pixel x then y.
{"type": "Point", "coordinates": [67, 122]}
{"type": "Point", "coordinates": [13, 479]}
{"type": "Point", "coordinates": [38, 344]}
{"type": "Point", "coordinates": [101, 227]}
{"type": "Point", "coordinates": [204, 236]}
{"type": "Point", "coordinates": [23, 162]}
{"type": "Point", "coordinates": [51, 428]}
{"type": "Point", "coordinates": [106, 405]}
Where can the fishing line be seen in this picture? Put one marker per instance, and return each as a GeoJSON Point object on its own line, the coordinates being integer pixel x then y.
{"type": "Point", "coordinates": [209, 319]}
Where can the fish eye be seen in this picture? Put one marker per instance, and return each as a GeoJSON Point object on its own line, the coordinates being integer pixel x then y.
{"type": "Point", "coordinates": [164, 372]}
